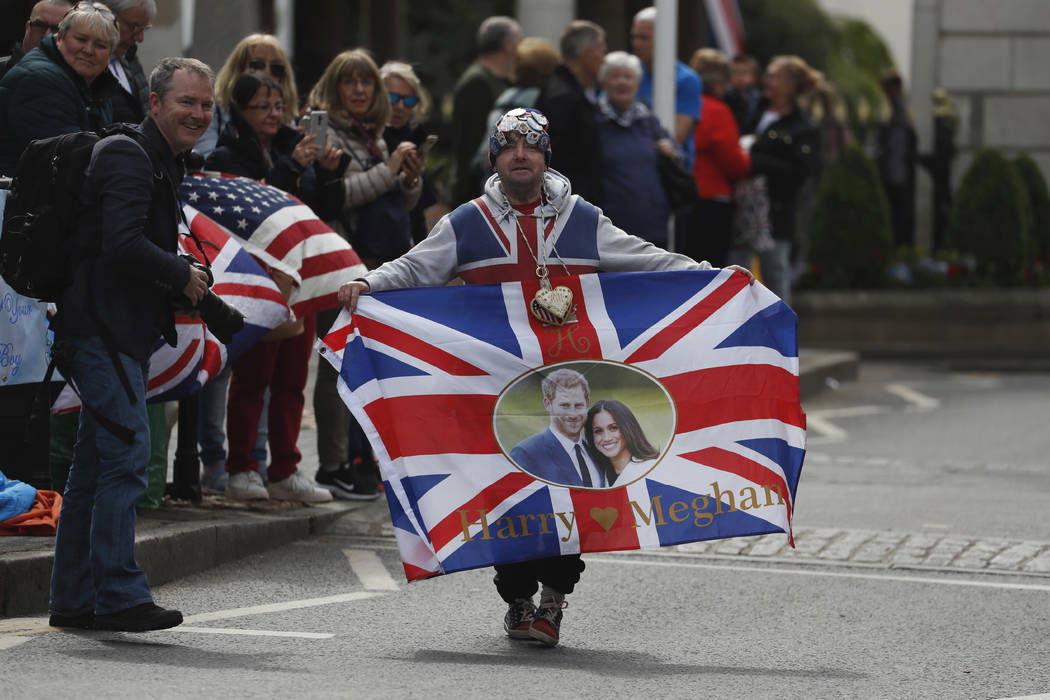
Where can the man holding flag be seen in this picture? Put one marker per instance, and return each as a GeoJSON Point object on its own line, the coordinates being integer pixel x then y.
{"type": "Point", "coordinates": [526, 220]}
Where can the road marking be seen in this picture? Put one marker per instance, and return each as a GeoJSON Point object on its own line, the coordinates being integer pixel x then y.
{"type": "Point", "coordinates": [279, 607]}
{"type": "Point", "coordinates": [828, 431]}
{"type": "Point", "coordinates": [370, 570]}
{"type": "Point", "coordinates": [920, 401]}
{"type": "Point", "coordinates": [12, 641]}
{"type": "Point", "coordinates": [831, 574]}
{"type": "Point", "coordinates": [252, 633]}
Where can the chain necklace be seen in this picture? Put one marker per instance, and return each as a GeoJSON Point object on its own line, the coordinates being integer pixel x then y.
{"type": "Point", "coordinates": [552, 306]}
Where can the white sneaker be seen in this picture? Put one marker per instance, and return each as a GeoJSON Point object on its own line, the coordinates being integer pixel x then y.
{"type": "Point", "coordinates": [246, 486]}
{"type": "Point", "coordinates": [298, 488]}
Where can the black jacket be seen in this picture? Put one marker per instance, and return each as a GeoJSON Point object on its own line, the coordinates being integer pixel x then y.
{"type": "Point", "coordinates": [130, 107]}
{"type": "Point", "coordinates": [130, 216]}
{"type": "Point", "coordinates": [573, 132]}
{"type": "Point", "coordinates": [787, 153]}
{"type": "Point", "coordinates": [239, 152]}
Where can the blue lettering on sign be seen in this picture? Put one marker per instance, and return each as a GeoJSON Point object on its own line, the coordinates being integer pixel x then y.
{"type": "Point", "coordinates": [15, 307]}
{"type": "Point", "coordinates": [8, 358]}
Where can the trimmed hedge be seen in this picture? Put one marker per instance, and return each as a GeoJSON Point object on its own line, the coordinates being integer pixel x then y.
{"type": "Point", "coordinates": [1039, 199]}
{"type": "Point", "coordinates": [850, 236]}
{"type": "Point", "coordinates": [991, 219]}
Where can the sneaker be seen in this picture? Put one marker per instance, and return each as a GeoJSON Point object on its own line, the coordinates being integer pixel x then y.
{"type": "Point", "coordinates": [341, 484]}
{"type": "Point", "coordinates": [297, 488]}
{"type": "Point", "coordinates": [547, 621]}
{"type": "Point", "coordinates": [518, 619]}
{"type": "Point", "coordinates": [246, 486]}
{"type": "Point", "coordinates": [214, 477]}
{"type": "Point", "coordinates": [140, 618]}
{"type": "Point", "coordinates": [80, 622]}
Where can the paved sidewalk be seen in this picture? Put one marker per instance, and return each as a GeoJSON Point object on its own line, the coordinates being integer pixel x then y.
{"type": "Point", "coordinates": [179, 538]}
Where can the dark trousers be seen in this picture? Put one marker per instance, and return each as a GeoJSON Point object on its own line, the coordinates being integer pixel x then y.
{"type": "Point", "coordinates": [711, 227]}
{"type": "Point", "coordinates": [282, 366]}
{"type": "Point", "coordinates": [523, 579]}
{"type": "Point", "coordinates": [902, 213]}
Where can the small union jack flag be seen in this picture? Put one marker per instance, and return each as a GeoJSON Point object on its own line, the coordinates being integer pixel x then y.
{"type": "Point", "coordinates": [433, 374]}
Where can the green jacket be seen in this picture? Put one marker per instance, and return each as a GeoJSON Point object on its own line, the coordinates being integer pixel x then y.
{"type": "Point", "coordinates": [42, 96]}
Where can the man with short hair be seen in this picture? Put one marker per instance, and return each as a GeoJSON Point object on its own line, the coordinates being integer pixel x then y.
{"type": "Point", "coordinates": [558, 454]}
{"type": "Point", "coordinates": [475, 91]}
{"type": "Point", "coordinates": [527, 221]}
{"type": "Point", "coordinates": [568, 99]}
{"type": "Point", "coordinates": [121, 302]}
{"type": "Point", "coordinates": [743, 96]}
{"type": "Point", "coordinates": [43, 20]}
{"type": "Point", "coordinates": [687, 84]}
{"type": "Point", "coordinates": [134, 19]}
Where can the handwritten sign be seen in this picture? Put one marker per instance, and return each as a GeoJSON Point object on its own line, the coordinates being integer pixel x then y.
{"type": "Point", "coordinates": [25, 341]}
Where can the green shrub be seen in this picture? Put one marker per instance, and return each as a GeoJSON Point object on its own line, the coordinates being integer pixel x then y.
{"type": "Point", "coordinates": [850, 234]}
{"type": "Point", "coordinates": [1039, 199]}
{"type": "Point", "coordinates": [991, 218]}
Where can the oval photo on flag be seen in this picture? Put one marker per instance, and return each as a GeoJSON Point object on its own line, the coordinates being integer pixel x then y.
{"type": "Point", "coordinates": [622, 417]}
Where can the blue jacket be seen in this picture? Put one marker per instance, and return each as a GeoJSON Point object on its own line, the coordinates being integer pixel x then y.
{"type": "Point", "coordinates": [543, 456]}
{"type": "Point", "coordinates": [42, 96]}
{"type": "Point", "coordinates": [129, 209]}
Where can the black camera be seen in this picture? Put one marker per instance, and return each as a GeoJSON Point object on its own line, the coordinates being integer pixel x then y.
{"type": "Point", "coordinates": [222, 320]}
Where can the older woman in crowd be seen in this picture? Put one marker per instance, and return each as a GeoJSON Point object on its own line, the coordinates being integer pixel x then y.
{"type": "Point", "coordinates": [259, 53]}
{"type": "Point", "coordinates": [60, 86]}
{"type": "Point", "coordinates": [719, 160]}
{"type": "Point", "coordinates": [630, 139]}
{"type": "Point", "coordinates": [786, 152]}
{"type": "Point", "coordinates": [383, 183]}
{"type": "Point", "coordinates": [409, 108]}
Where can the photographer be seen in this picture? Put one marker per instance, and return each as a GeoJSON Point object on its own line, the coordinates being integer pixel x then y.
{"type": "Point", "coordinates": [121, 302]}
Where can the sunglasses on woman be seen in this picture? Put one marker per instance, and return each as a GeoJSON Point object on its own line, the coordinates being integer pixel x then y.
{"type": "Point", "coordinates": [276, 67]}
{"type": "Point", "coordinates": [409, 100]}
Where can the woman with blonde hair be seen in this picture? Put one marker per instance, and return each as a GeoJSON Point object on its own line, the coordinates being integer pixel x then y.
{"type": "Point", "coordinates": [259, 53]}
{"type": "Point", "coordinates": [785, 152]}
{"type": "Point", "coordinates": [382, 185]}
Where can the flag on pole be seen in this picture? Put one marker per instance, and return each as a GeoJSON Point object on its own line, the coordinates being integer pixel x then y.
{"type": "Point", "coordinates": [277, 229]}
{"type": "Point", "coordinates": [727, 26]}
{"type": "Point", "coordinates": [448, 386]}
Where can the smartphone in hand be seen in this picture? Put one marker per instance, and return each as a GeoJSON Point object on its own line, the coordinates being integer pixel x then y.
{"type": "Point", "coordinates": [318, 126]}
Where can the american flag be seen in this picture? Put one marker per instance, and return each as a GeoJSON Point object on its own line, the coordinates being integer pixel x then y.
{"type": "Point", "coordinates": [181, 371]}
{"type": "Point", "coordinates": [279, 230]}
{"type": "Point", "coordinates": [424, 371]}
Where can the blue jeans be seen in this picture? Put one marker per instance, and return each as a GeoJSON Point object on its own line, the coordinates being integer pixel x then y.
{"type": "Point", "coordinates": [775, 267]}
{"type": "Point", "coordinates": [211, 422]}
{"type": "Point", "coordinates": [95, 568]}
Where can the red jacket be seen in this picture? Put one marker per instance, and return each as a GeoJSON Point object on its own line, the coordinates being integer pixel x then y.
{"type": "Point", "coordinates": [719, 158]}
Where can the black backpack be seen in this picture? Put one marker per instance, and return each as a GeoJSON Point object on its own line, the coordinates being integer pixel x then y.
{"type": "Point", "coordinates": [36, 248]}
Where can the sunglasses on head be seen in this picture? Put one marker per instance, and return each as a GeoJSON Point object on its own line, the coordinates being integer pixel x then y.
{"type": "Point", "coordinates": [42, 26]}
{"type": "Point", "coordinates": [409, 100]}
{"type": "Point", "coordinates": [276, 67]}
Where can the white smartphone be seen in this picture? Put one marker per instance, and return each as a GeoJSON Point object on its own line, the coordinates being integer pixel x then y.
{"type": "Point", "coordinates": [318, 126]}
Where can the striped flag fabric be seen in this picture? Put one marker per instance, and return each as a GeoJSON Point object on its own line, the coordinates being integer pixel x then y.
{"type": "Point", "coordinates": [279, 230]}
{"type": "Point", "coordinates": [727, 26]}
{"type": "Point", "coordinates": [181, 371]}
{"type": "Point", "coordinates": [446, 383]}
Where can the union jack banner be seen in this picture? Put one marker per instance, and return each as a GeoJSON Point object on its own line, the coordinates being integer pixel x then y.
{"type": "Point", "coordinates": [181, 371]}
{"type": "Point", "coordinates": [277, 229]}
{"type": "Point", "coordinates": [443, 381]}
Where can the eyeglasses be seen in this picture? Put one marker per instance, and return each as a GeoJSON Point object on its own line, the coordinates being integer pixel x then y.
{"type": "Point", "coordinates": [266, 107]}
{"type": "Point", "coordinates": [97, 7]}
{"type": "Point", "coordinates": [409, 100]}
{"type": "Point", "coordinates": [276, 67]}
{"type": "Point", "coordinates": [42, 26]}
{"type": "Point", "coordinates": [135, 28]}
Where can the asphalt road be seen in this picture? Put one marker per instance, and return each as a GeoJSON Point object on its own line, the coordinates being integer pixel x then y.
{"type": "Point", "coordinates": [902, 449]}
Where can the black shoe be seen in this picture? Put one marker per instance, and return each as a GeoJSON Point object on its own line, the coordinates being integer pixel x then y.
{"type": "Point", "coordinates": [141, 618]}
{"type": "Point", "coordinates": [80, 622]}
{"type": "Point", "coordinates": [343, 485]}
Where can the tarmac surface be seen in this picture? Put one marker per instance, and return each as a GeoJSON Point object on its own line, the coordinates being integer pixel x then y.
{"type": "Point", "coordinates": [181, 538]}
